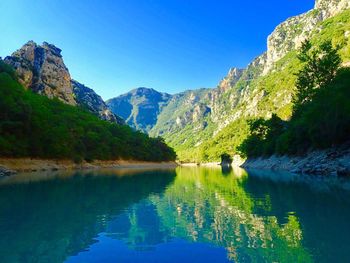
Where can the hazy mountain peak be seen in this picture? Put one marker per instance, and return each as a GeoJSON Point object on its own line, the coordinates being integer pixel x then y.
{"type": "Point", "coordinates": [139, 107]}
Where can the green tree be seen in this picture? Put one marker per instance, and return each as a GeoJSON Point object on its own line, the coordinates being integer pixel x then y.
{"type": "Point", "coordinates": [263, 137]}
{"type": "Point", "coordinates": [320, 67]}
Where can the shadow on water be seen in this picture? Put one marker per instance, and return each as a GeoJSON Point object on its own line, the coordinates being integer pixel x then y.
{"type": "Point", "coordinates": [226, 169]}
{"type": "Point", "coordinates": [60, 215]}
{"type": "Point", "coordinates": [213, 214]}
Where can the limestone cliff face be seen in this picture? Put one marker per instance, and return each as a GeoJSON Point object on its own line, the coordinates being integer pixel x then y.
{"type": "Point", "coordinates": [88, 99]}
{"type": "Point", "coordinates": [231, 79]}
{"type": "Point", "coordinates": [329, 8]}
{"type": "Point", "coordinates": [291, 33]}
{"type": "Point", "coordinates": [41, 68]}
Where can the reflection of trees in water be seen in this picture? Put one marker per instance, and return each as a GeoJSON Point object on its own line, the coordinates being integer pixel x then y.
{"type": "Point", "coordinates": [320, 203]}
{"type": "Point", "coordinates": [202, 205]}
{"type": "Point", "coordinates": [53, 219]}
{"type": "Point", "coordinates": [50, 220]}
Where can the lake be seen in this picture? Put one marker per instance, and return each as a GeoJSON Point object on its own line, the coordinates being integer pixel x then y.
{"type": "Point", "coordinates": [189, 214]}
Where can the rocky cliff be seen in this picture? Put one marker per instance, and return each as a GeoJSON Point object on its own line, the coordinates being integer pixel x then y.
{"type": "Point", "coordinates": [291, 33]}
{"type": "Point", "coordinates": [88, 99]}
{"type": "Point", "coordinates": [231, 79]}
{"type": "Point", "coordinates": [41, 68]}
{"type": "Point", "coordinates": [139, 107]}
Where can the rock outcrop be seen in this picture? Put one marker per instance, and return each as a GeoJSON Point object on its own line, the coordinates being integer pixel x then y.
{"type": "Point", "coordinates": [88, 99]}
{"type": "Point", "coordinates": [291, 33]}
{"type": "Point", "coordinates": [231, 79]}
{"type": "Point", "coordinates": [4, 171]}
{"type": "Point", "coordinates": [329, 8]}
{"type": "Point", "coordinates": [41, 69]}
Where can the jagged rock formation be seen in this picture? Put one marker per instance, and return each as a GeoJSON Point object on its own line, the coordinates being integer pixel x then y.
{"type": "Point", "coordinates": [291, 33]}
{"type": "Point", "coordinates": [88, 99]}
{"type": "Point", "coordinates": [329, 8]}
{"type": "Point", "coordinates": [231, 79]}
{"type": "Point", "coordinates": [139, 107]}
{"type": "Point", "coordinates": [41, 69]}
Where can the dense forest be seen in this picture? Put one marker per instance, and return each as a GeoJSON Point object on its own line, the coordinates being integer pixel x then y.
{"type": "Point", "coordinates": [32, 125]}
{"type": "Point", "coordinates": [321, 108]}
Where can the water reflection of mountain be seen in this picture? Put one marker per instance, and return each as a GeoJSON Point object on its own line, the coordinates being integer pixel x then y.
{"type": "Point", "coordinates": [139, 227]}
{"type": "Point", "coordinates": [260, 217]}
{"type": "Point", "coordinates": [47, 221]}
{"type": "Point", "coordinates": [204, 206]}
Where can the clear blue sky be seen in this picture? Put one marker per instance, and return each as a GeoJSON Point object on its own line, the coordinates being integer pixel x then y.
{"type": "Point", "coordinates": [168, 45]}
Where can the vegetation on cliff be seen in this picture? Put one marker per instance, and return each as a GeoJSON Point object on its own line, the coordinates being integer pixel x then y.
{"type": "Point", "coordinates": [321, 112]}
{"type": "Point", "coordinates": [36, 126]}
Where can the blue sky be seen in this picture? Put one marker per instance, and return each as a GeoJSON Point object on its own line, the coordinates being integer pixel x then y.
{"type": "Point", "coordinates": [168, 45]}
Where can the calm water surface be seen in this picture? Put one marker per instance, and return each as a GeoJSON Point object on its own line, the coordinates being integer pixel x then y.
{"type": "Point", "coordinates": [182, 215]}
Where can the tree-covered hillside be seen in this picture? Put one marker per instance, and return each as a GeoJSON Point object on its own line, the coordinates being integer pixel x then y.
{"type": "Point", "coordinates": [32, 125]}
{"type": "Point", "coordinates": [321, 110]}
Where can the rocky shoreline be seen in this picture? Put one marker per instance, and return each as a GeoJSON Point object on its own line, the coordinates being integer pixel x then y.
{"type": "Point", "coordinates": [10, 166]}
{"type": "Point", "coordinates": [334, 161]}
{"type": "Point", "coordinates": [4, 171]}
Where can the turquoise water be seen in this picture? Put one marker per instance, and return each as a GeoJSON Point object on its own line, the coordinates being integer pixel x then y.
{"type": "Point", "coordinates": [183, 215]}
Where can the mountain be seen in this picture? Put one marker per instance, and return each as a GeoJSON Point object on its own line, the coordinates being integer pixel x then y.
{"type": "Point", "coordinates": [41, 68]}
{"type": "Point", "coordinates": [201, 125]}
{"type": "Point", "coordinates": [139, 107]}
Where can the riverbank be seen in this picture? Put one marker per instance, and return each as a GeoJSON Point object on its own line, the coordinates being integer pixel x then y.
{"type": "Point", "coordinates": [10, 166]}
{"type": "Point", "coordinates": [334, 161]}
{"type": "Point", "coordinates": [213, 164]}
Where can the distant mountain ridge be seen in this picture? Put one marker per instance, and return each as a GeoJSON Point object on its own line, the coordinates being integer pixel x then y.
{"type": "Point", "coordinates": [139, 107]}
{"type": "Point", "coordinates": [41, 68]}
